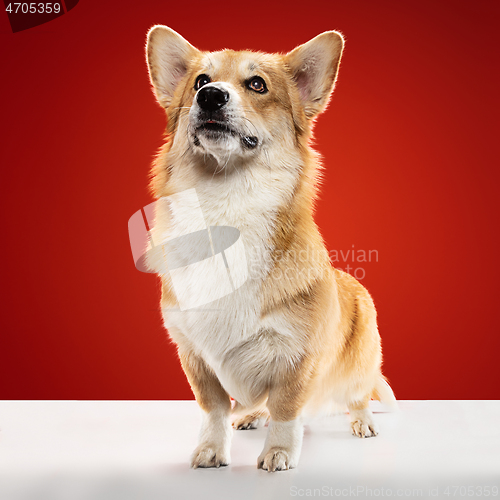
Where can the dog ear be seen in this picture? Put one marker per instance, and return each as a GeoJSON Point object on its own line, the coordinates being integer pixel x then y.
{"type": "Point", "coordinates": [314, 66]}
{"type": "Point", "coordinates": [168, 56]}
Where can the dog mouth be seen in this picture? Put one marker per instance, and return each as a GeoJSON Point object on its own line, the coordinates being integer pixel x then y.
{"type": "Point", "coordinates": [213, 127]}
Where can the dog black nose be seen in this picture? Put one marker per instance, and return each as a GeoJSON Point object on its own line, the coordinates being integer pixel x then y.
{"type": "Point", "coordinates": [212, 98]}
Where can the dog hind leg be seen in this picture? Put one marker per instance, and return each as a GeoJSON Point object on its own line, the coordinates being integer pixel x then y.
{"type": "Point", "coordinates": [253, 420]}
{"type": "Point", "coordinates": [362, 424]}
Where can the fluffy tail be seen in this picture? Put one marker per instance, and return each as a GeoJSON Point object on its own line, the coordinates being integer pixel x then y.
{"type": "Point", "coordinates": [384, 394]}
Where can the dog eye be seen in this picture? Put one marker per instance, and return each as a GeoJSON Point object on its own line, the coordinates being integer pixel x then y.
{"type": "Point", "coordinates": [200, 81]}
{"type": "Point", "coordinates": [257, 84]}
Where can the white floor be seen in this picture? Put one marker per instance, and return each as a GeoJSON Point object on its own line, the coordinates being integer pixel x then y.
{"type": "Point", "coordinates": [75, 450]}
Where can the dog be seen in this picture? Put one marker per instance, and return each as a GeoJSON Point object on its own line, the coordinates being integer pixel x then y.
{"type": "Point", "coordinates": [298, 334]}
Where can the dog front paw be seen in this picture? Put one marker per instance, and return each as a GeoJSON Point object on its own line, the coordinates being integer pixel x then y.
{"type": "Point", "coordinates": [209, 456]}
{"type": "Point", "coordinates": [364, 429]}
{"type": "Point", "coordinates": [274, 460]}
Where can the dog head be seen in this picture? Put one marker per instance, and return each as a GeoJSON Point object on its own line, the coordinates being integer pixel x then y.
{"type": "Point", "coordinates": [226, 107]}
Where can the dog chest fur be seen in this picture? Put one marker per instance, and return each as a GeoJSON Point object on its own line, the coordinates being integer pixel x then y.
{"type": "Point", "coordinates": [230, 333]}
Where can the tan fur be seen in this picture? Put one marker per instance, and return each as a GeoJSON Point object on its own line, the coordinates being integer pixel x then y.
{"type": "Point", "coordinates": [318, 324]}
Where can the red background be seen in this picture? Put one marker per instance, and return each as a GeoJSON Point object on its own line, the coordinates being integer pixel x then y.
{"type": "Point", "coordinates": [410, 147]}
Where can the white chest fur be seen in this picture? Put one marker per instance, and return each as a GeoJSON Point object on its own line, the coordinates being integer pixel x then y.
{"type": "Point", "coordinates": [230, 328]}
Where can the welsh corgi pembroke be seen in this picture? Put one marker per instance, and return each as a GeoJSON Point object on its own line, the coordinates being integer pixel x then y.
{"type": "Point", "coordinates": [293, 334]}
